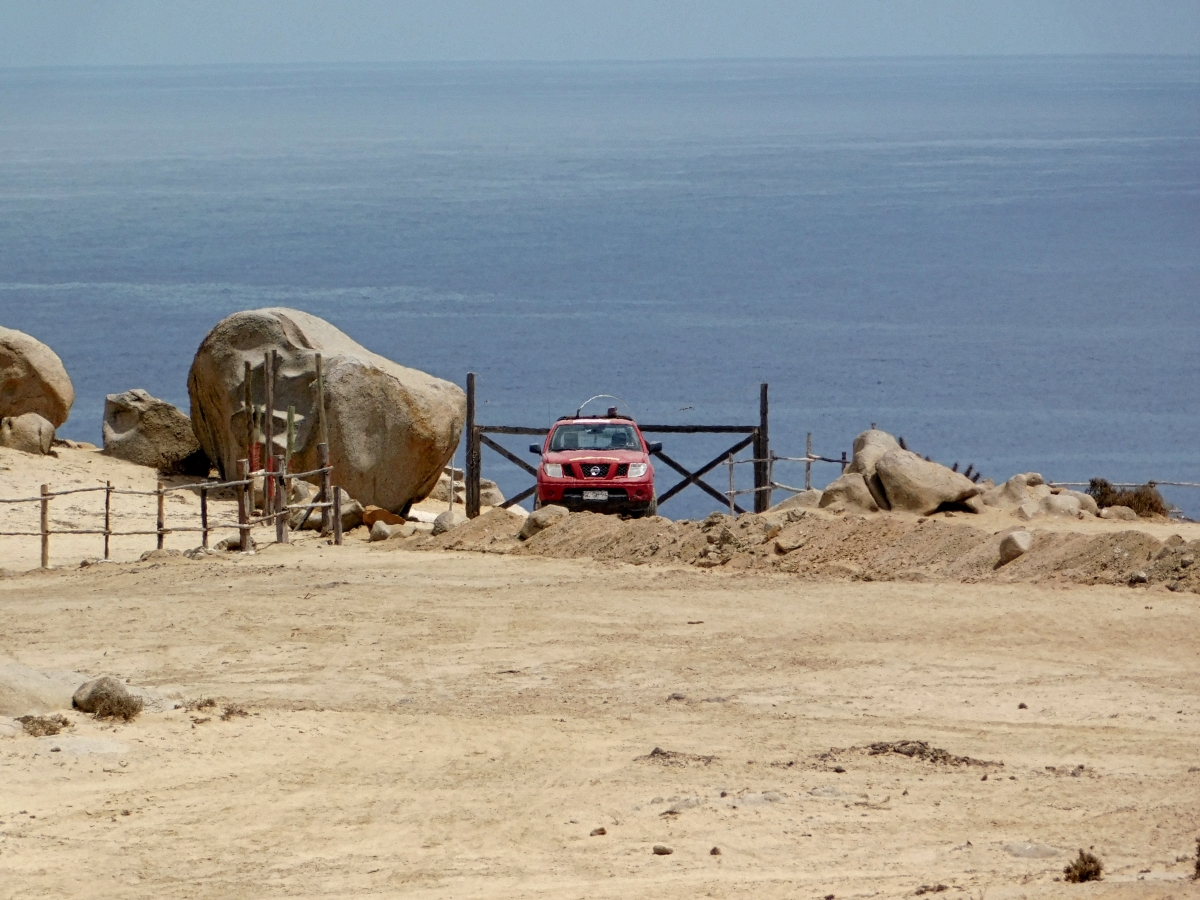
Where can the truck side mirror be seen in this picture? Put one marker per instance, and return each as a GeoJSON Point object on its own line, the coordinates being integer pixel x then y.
{"type": "Point", "coordinates": [535, 448]}
{"type": "Point", "coordinates": [655, 447]}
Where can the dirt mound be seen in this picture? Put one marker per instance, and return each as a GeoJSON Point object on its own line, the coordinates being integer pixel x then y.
{"type": "Point", "coordinates": [814, 544]}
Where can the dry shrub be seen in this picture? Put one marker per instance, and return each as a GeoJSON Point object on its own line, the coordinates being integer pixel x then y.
{"type": "Point", "coordinates": [118, 706]}
{"type": "Point", "coordinates": [233, 711]}
{"type": "Point", "coordinates": [1086, 867]}
{"type": "Point", "coordinates": [205, 703]}
{"type": "Point", "coordinates": [1196, 874]}
{"type": "Point", "coordinates": [44, 726]}
{"type": "Point", "coordinates": [1146, 501]}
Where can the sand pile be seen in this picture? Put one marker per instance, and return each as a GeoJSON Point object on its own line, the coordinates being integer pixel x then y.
{"type": "Point", "coordinates": [815, 544]}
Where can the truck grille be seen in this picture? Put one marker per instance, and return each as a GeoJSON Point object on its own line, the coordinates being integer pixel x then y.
{"type": "Point", "coordinates": [623, 469]}
{"type": "Point", "coordinates": [594, 470]}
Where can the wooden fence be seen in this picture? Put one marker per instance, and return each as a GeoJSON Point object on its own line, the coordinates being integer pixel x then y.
{"type": "Point", "coordinates": [757, 437]}
{"type": "Point", "coordinates": [276, 482]}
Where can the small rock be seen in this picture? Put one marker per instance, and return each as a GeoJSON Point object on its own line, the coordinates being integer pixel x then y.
{"type": "Point", "coordinates": [1014, 545]}
{"type": "Point", "coordinates": [381, 530]}
{"type": "Point", "coordinates": [1022, 706]}
{"type": "Point", "coordinates": [159, 554]}
{"type": "Point", "coordinates": [661, 850]}
{"type": "Point", "coordinates": [1138, 577]}
{"type": "Point", "coordinates": [715, 851]}
{"type": "Point", "coordinates": [839, 769]}
{"type": "Point", "coordinates": [541, 519]}
{"type": "Point", "coordinates": [1118, 514]}
{"type": "Point", "coordinates": [677, 696]}
{"type": "Point", "coordinates": [447, 521]}
{"type": "Point", "coordinates": [598, 832]}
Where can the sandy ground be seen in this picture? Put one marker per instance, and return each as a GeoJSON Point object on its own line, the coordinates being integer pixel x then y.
{"type": "Point", "coordinates": [446, 724]}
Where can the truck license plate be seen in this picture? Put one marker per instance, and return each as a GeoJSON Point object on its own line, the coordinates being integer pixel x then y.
{"type": "Point", "coordinates": [595, 495]}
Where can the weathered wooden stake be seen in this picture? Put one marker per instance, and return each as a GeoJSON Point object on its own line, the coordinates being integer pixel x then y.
{"type": "Point", "coordinates": [268, 429]}
{"type": "Point", "coordinates": [107, 515]}
{"type": "Point", "coordinates": [204, 517]}
{"type": "Point", "coordinates": [808, 462]}
{"type": "Point", "coordinates": [337, 516]}
{"type": "Point", "coordinates": [45, 526]}
{"type": "Point", "coordinates": [323, 430]}
{"type": "Point", "coordinates": [248, 402]}
{"type": "Point", "coordinates": [281, 529]}
{"type": "Point", "coordinates": [162, 511]}
{"type": "Point", "coordinates": [245, 496]}
{"type": "Point", "coordinates": [291, 439]}
{"type": "Point", "coordinates": [844, 462]}
{"type": "Point", "coordinates": [326, 488]}
{"type": "Point", "coordinates": [471, 465]}
{"type": "Point", "coordinates": [762, 447]}
{"type": "Point", "coordinates": [732, 495]}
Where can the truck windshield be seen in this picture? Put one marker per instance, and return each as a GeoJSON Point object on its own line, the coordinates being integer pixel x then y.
{"type": "Point", "coordinates": [595, 437]}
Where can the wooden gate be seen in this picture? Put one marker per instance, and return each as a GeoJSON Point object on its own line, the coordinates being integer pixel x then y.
{"type": "Point", "coordinates": [756, 436]}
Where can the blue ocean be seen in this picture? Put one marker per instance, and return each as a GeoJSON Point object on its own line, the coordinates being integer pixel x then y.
{"type": "Point", "coordinates": [998, 259]}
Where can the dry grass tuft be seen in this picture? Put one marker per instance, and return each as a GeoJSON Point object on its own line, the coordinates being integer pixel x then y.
{"type": "Point", "coordinates": [1146, 501]}
{"type": "Point", "coordinates": [44, 726]}
{"type": "Point", "coordinates": [233, 711]}
{"type": "Point", "coordinates": [1086, 867]}
{"type": "Point", "coordinates": [1196, 874]}
{"type": "Point", "coordinates": [204, 703]}
{"type": "Point", "coordinates": [117, 705]}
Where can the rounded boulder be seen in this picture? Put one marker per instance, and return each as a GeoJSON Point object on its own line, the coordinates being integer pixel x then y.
{"type": "Point", "coordinates": [29, 433]}
{"type": "Point", "coordinates": [391, 429]}
{"type": "Point", "coordinates": [33, 379]}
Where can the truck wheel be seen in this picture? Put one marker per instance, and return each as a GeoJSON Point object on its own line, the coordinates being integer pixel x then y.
{"type": "Point", "coordinates": [652, 509]}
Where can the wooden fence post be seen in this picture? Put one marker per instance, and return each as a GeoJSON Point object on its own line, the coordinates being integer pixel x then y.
{"type": "Point", "coordinates": [162, 509]}
{"type": "Point", "coordinates": [268, 455]}
{"type": "Point", "coordinates": [204, 517]}
{"type": "Point", "coordinates": [281, 529]}
{"type": "Point", "coordinates": [326, 495]}
{"type": "Point", "coordinates": [472, 464]}
{"type": "Point", "coordinates": [107, 515]}
{"type": "Point", "coordinates": [248, 402]}
{"type": "Point", "coordinates": [337, 516]}
{"type": "Point", "coordinates": [844, 462]}
{"type": "Point", "coordinates": [45, 526]}
{"type": "Point", "coordinates": [762, 448]}
{"type": "Point", "coordinates": [245, 493]}
{"type": "Point", "coordinates": [808, 462]}
{"type": "Point", "coordinates": [323, 431]}
{"type": "Point", "coordinates": [732, 495]}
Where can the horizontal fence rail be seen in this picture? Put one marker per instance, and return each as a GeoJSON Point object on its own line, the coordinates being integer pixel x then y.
{"type": "Point", "coordinates": [276, 482]}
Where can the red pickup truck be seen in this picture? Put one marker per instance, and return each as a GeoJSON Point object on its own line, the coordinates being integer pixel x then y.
{"type": "Point", "coordinates": [597, 463]}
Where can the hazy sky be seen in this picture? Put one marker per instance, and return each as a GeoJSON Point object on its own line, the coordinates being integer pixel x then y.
{"type": "Point", "coordinates": [132, 32]}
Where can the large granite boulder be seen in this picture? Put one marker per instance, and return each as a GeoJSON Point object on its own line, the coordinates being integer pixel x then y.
{"type": "Point", "coordinates": [913, 484]}
{"type": "Point", "coordinates": [869, 448]}
{"type": "Point", "coordinates": [151, 432]}
{"type": "Point", "coordinates": [849, 493]}
{"type": "Point", "coordinates": [25, 691]}
{"type": "Point", "coordinates": [32, 379]}
{"type": "Point", "coordinates": [391, 429]}
{"type": "Point", "coordinates": [29, 433]}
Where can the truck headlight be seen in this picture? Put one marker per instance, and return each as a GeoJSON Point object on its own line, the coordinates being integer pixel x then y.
{"type": "Point", "coordinates": [637, 470]}
{"type": "Point", "coordinates": [552, 470]}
